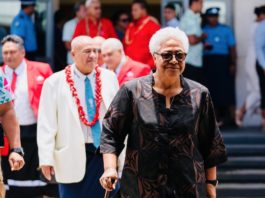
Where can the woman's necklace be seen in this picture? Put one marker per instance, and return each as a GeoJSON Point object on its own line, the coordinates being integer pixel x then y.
{"type": "Point", "coordinates": [88, 30]}
{"type": "Point", "coordinates": [171, 102]}
{"type": "Point", "coordinates": [98, 98]}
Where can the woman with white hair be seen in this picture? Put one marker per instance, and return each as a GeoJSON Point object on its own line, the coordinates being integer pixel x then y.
{"type": "Point", "coordinates": [174, 143]}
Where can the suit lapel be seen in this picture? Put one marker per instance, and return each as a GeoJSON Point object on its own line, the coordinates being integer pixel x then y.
{"type": "Point", "coordinates": [124, 70]}
{"type": "Point", "coordinates": [31, 79]}
{"type": "Point", "coordinates": [104, 90]}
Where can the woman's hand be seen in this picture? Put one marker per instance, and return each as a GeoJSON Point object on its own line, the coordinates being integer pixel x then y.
{"type": "Point", "coordinates": [105, 180]}
{"type": "Point", "coordinates": [211, 191]}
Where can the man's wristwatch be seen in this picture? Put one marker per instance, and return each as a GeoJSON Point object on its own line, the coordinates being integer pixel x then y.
{"type": "Point", "coordinates": [213, 182]}
{"type": "Point", "coordinates": [20, 151]}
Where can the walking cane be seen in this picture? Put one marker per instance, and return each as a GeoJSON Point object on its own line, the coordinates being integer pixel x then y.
{"type": "Point", "coordinates": [108, 192]}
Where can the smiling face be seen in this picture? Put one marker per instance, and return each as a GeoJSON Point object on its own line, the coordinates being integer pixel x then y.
{"type": "Point", "coordinates": [12, 55]}
{"type": "Point", "coordinates": [172, 68]}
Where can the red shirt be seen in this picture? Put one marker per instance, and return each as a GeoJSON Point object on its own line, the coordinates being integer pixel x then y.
{"type": "Point", "coordinates": [106, 31]}
{"type": "Point", "coordinates": [136, 44]}
{"type": "Point", "coordinates": [131, 70]}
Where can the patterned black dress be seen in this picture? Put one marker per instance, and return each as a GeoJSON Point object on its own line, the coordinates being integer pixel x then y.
{"type": "Point", "coordinates": [168, 150]}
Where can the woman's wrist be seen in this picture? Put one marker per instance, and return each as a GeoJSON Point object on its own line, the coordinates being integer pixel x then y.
{"type": "Point", "coordinates": [105, 169]}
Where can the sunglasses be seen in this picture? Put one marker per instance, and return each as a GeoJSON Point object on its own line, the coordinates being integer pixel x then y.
{"type": "Point", "coordinates": [180, 56]}
{"type": "Point", "coordinates": [125, 20]}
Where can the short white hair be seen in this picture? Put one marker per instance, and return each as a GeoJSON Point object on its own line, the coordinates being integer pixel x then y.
{"type": "Point", "coordinates": [166, 34]}
{"type": "Point", "coordinates": [88, 2]}
{"type": "Point", "coordinates": [113, 42]}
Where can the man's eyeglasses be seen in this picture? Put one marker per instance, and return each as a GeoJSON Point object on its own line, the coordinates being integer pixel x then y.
{"type": "Point", "coordinates": [180, 56]}
{"type": "Point", "coordinates": [125, 20]}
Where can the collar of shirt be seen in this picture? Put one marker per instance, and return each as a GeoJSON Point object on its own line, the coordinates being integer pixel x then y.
{"type": "Point", "coordinates": [90, 76]}
{"type": "Point", "coordinates": [76, 20]}
{"type": "Point", "coordinates": [9, 71]}
{"type": "Point", "coordinates": [140, 21]}
{"type": "Point", "coordinates": [209, 27]}
{"type": "Point", "coordinates": [24, 14]}
{"type": "Point", "coordinates": [104, 65]}
{"type": "Point", "coordinates": [173, 22]}
{"type": "Point", "coordinates": [90, 22]}
{"type": "Point", "coordinates": [192, 14]}
{"type": "Point", "coordinates": [118, 69]}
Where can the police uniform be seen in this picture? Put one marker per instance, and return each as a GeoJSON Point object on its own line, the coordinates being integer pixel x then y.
{"type": "Point", "coordinates": [217, 62]}
{"type": "Point", "coordinates": [23, 26]}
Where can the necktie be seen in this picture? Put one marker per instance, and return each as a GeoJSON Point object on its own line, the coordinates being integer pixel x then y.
{"type": "Point", "coordinates": [91, 110]}
{"type": "Point", "coordinates": [14, 81]}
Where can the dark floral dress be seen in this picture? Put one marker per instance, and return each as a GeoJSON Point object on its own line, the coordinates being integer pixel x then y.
{"type": "Point", "coordinates": [168, 150]}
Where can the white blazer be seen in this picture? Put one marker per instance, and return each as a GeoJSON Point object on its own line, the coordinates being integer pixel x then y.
{"type": "Point", "coordinates": [60, 137]}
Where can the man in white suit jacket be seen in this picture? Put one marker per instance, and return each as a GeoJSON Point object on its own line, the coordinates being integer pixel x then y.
{"type": "Point", "coordinates": [66, 144]}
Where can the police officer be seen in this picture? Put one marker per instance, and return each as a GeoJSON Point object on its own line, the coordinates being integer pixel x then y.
{"type": "Point", "coordinates": [220, 62]}
{"type": "Point", "coordinates": [23, 26]}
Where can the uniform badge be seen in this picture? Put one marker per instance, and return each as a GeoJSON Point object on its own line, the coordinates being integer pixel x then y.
{"type": "Point", "coordinates": [17, 24]}
{"type": "Point", "coordinates": [216, 39]}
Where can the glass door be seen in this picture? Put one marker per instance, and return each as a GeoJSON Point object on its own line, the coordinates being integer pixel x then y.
{"type": "Point", "coordinates": [179, 5]}
{"type": "Point", "coordinates": [226, 6]}
{"type": "Point", "coordinates": [43, 20]}
{"type": "Point", "coordinates": [226, 10]}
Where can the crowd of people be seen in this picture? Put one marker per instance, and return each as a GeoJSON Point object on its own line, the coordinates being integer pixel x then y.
{"type": "Point", "coordinates": [106, 118]}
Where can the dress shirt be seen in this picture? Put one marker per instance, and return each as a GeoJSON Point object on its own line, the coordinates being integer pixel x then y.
{"type": "Point", "coordinates": [104, 66]}
{"type": "Point", "coordinates": [190, 24]}
{"type": "Point", "coordinates": [260, 43]}
{"type": "Point", "coordinates": [221, 38]}
{"type": "Point", "coordinates": [68, 32]}
{"type": "Point", "coordinates": [23, 26]}
{"type": "Point", "coordinates": [173, 23]}
{"type": "Point", "coordinates": [23, 109]}
{"type": "Point", "coordinates": [118, 69]}
{"type": "Point", "coordinates": [79, 80]}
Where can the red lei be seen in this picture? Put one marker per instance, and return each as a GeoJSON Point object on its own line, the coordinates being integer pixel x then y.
{"type": "Point", "coordinates": [98, 98]}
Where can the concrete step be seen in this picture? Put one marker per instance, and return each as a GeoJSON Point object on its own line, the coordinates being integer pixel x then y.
{"type": "Point", "coordinates": [245, 149]}
{"type": "Point", "coordinates": [241, 190]}
{"type": "Point", "coordinates": [241, 176]}
{"type": "Point", "coordinates": [244, 138]}
{"type": "Point", "coordinates": [256, 162]}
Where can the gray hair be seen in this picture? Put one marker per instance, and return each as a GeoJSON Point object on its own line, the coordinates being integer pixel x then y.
{"type": "Point", "coordinates": [113, 42]}
{"type": "Point", "coordinates": [15, 39]}
{"type": "Point", "coordinates": [88, 2]}
{"type": "Point", "coordinates": [166, 34]}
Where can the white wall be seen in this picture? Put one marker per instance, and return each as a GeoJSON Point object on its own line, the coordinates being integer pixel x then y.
{"type": "Point", "coordinates": [243, 17]}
